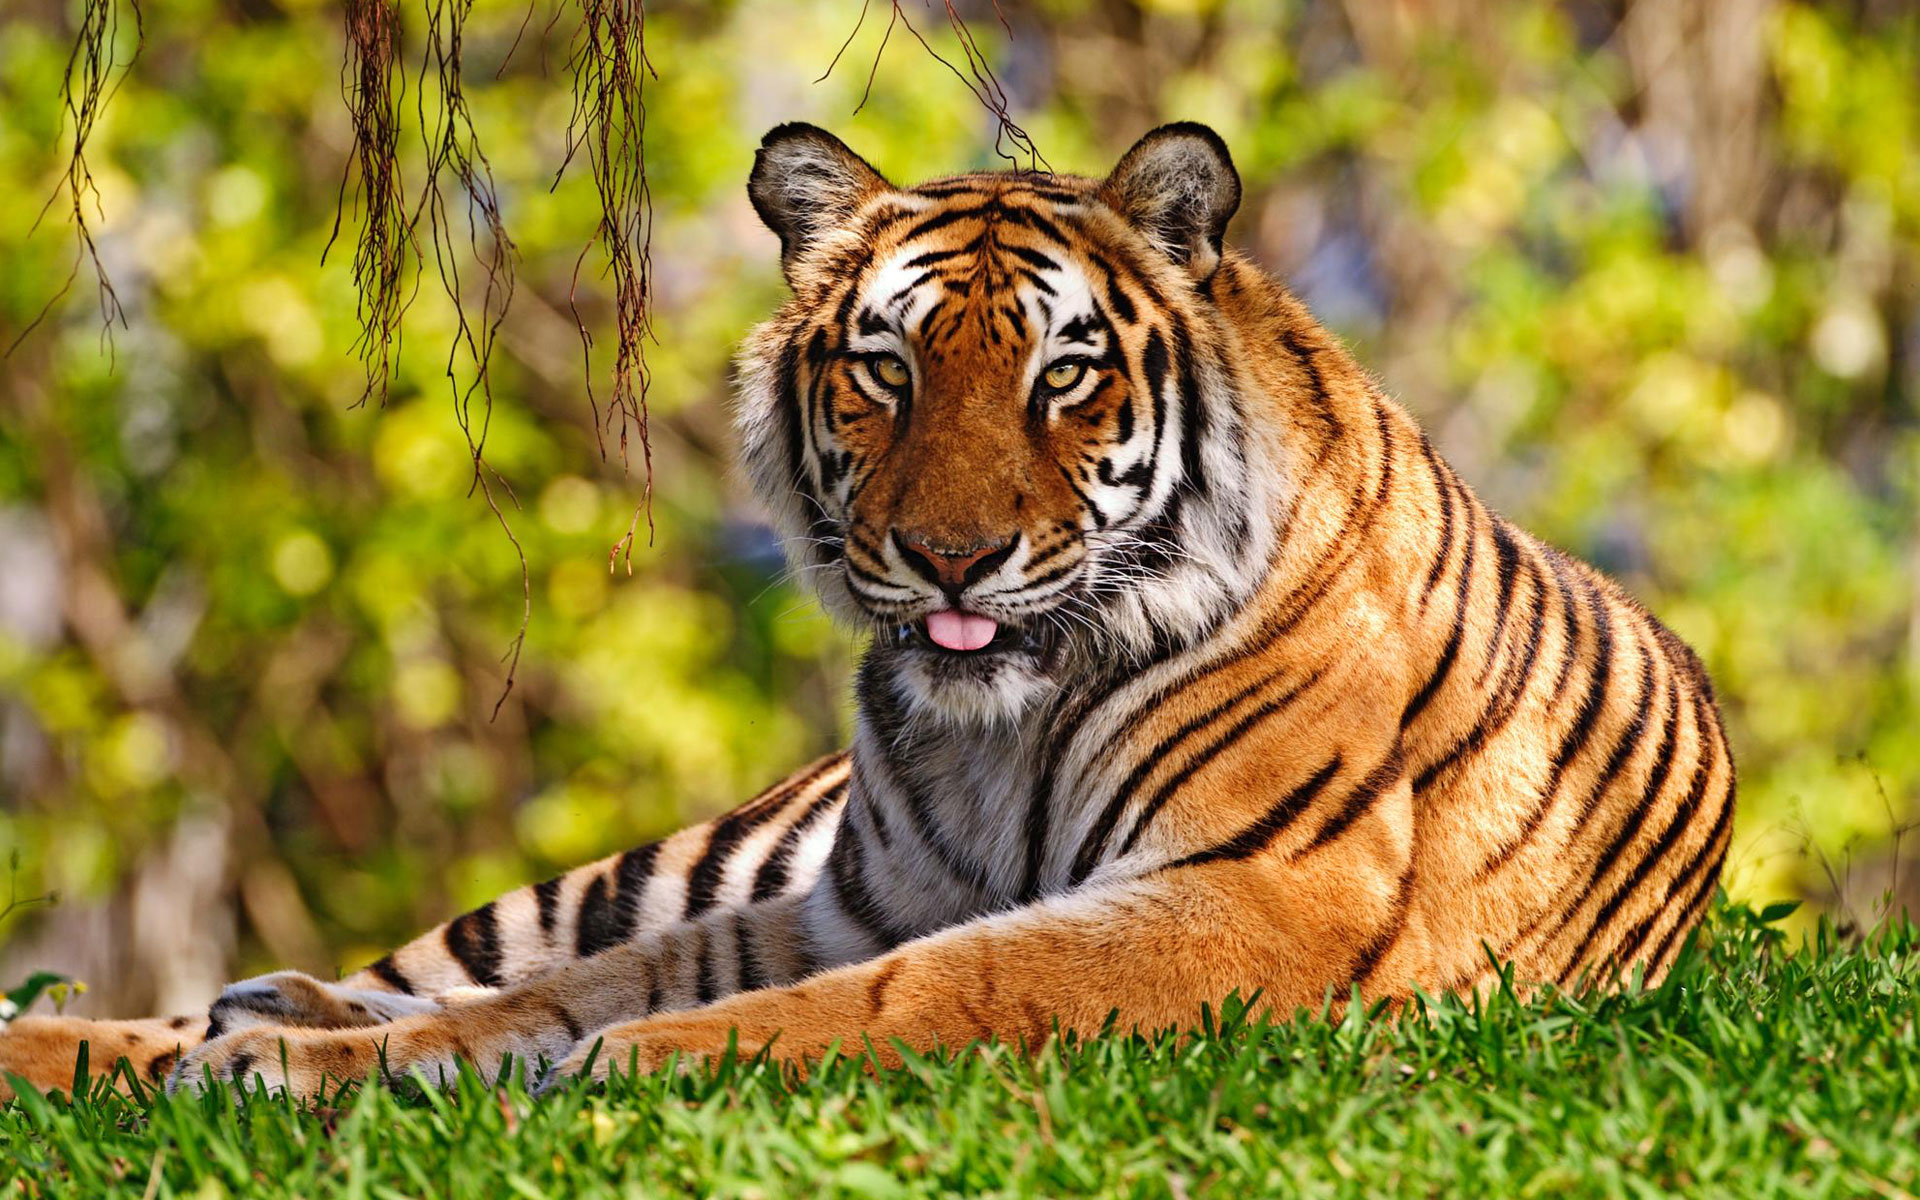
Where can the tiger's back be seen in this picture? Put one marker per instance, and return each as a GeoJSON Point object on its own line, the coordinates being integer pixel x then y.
{"type": "Point", "coordinates": [1569, 790]}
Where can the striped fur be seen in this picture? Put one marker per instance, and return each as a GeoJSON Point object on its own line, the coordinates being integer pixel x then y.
{"type": "Point", "coordinates": [1280, 704]}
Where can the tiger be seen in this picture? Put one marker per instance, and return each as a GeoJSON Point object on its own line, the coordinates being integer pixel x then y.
{"type": "Point", "coordinates": [1194, 671]}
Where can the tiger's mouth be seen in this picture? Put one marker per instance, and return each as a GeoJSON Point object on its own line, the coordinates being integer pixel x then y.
{"type": "Point", "coordinates": [959, 634]}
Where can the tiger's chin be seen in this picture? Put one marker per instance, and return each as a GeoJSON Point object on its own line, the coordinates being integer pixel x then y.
{"type": "Point", "coordinates": [995, 683]}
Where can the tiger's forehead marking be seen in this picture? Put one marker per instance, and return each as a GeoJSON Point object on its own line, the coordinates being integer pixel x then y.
{"type": "Point", "coordinates": [973, 268]}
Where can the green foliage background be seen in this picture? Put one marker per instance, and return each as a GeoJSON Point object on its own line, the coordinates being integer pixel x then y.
{"type": "Point", "coordinates": [1647, 271]}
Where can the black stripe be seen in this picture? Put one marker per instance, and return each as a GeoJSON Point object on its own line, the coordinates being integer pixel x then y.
{"type": "Point", "coordinates": [1123, 424]}
{"type": "Point", "coordinates": [597, 926]}
{"type": "Point", "coordinates": [1451, 651]}
{"type": "Point", "coordinates": [1594, 701]}
{"type": "Point", "coordinates": [1505, 701]}
{"type": "Point", "coordinates": [1193, 413]}
{"type": "Point", "coordinates": [793, 417]}
{"type": "Point", "coordinates": [1039, 284]}
{"type": "Point", "coordinates": [547, 895]}
{"type": "Point", "coordinates": [935, 257]}
{"type": "Point", "coordinates": [1232, 734]}
{"type": "Point", "coordinates": [633, 871]}
{"type": "Point", "coordinates": [474, 941]}
{"type": "Point", "coordinates": [1361, 798]}
{"type": "Point", "coordinates": [611, 906]}
{"type": "Point", "coordinates": [703, 986]}
{"type": "Point", "coordinates": [776, 870]}
{"type": "Point", "coordinates": [1506, 553]}
{"type": "Point", "coordinates": [866, 576]}
{"type": "Point", "coordinates": [944, 189]}
{"type": "Point", "coordinates": [1117, 298]}
{"type": "Point", "coordinates": [1388, 452]}
{"type": "Point", "coordinates": [1032, 258]}
{"type": "Point", "coordinates": [386, 972]}
{"type": "Point", "coordinates": [846, 867]}
{"type": "Point", "coordinates": [1570, 613]}
{"type": "Point", "coordinates": [1086, 501]}
{"type": "Point", "coordinates": [877, 818]}
{"type": "Point", "coordinates": [1052, 552]}
{"type": "Point", "coordinates": [1035, 583]}
{"type": "Point", "coordinates": [1635, 732]}
{"type": "Point", "coordinates": [1322, 399]}
{"type": "Point", "coordinates": [1259, 835]}
{"type": "Point", "coordinates": [1156, 302]}
{"type": "Point", "coordinates": [1445, 491]}
{"type": "Point", "coordinates": [752, 978]}
{"type": "Point", "coordinates": [1154, 364]}
{"type": "Point", "coordinates": [942, 219]}
{"type": "Point", "coordinates": [1396, 924]}
{"type": "Point", "coordinates": [1030, 219]}
{"type": "Point", "coordinates": [1024, 185]}
{"type": "Point", "coordinates": [703, 882]}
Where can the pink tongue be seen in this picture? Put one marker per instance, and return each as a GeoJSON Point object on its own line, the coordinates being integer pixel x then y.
{"type": "Point", "coordinates": [960, 631]}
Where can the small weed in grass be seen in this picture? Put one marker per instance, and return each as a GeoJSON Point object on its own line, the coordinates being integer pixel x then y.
{"type": "Point", "coordinates": [1751, 1071]}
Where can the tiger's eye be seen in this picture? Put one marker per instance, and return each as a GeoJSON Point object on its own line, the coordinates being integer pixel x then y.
{"type": "Point", "coordinates": [891, 371]}
{"type": "Point", "coordinates": [1063, 375]}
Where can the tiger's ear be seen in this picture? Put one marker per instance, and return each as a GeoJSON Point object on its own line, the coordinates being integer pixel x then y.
{"type": "Point", "coordinates": [805, 181]}
{"type": "Point", "coordinates": [1178, 187]}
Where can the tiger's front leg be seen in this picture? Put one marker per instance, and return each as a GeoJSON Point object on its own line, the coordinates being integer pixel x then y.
{"type": "Point", "coordinates": [464, 989]}
{"type": "Point", "coordinates": [766, 847]}
{"type": "Point", "coordinates": [48, 1051]}
{"type": "Point", "coordinates": [1150, 951]}
{"type": "Point", "coordinates": [535, 1023]}
{"type": "Point", "coordinates": [769, 847]}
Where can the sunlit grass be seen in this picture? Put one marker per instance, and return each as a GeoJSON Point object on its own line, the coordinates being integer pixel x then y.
{"type": "Point", "coordinates": [1753, 1070]}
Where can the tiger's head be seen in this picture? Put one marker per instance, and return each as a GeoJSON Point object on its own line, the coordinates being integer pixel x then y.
{"type": "Point", "coordinates": [1000, 421]}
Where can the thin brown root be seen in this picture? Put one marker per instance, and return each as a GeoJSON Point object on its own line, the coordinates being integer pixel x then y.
{"type": "Point", "coordinates": [453, 148]}
{"type": "Point", "coordinates": [85, 92]}
{"type": "Point", "coordinates": [609, 120]}
{"type": "Point", "coordinates": [386, 243]}
{"type": "Point", "coordinates": [1010, 141]}
{"type": "Point", "coordinates": [625, 545]}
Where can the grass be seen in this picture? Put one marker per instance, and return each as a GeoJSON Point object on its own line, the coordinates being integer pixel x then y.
{"type": "Point", "coordinates": [1752, 1071]}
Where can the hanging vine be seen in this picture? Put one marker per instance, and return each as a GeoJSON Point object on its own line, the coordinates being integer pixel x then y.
{"type": "Point", "coordinates": [609, 122]}
{"type": "Point", "coordinates": [1010, 141]}
{"type": "Point", "coordinates": [84, 95]}
{"type": "Point", "coordinates": [385, 244]}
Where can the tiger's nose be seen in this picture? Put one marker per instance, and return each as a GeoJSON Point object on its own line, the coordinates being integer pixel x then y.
{"type": "Point", "coordinates": [952, 568]}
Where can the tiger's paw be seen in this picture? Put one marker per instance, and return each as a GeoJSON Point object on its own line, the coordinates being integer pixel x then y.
{"type": "Point", "coordinates": [291, 1000]}
{"type": "Point", "coordinates": [301, 1062]}
{"type": "Point", "coordinates": [427, 1050]}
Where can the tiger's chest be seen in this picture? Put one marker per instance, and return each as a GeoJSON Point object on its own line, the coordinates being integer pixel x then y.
{"type": "Point", "coordinates": [946, 822]}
